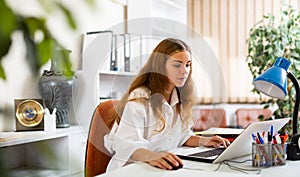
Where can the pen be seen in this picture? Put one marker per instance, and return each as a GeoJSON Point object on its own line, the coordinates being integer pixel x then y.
{"type": "Point", "coordinates": [284, 137]}
{"type": "Point", "coordinates": [260, 139]}
{"type": "Point", "coordinates": [274, 140]}
{"type": "Point", "coordinates": [278, 140]}
{"type": "Point", "coordinates": [272, 130]}
{"type": "Point", "coordinates": [264, 137]}
{"type": "Point", "coordinates": [263, 134]}
{"type": "Point", "coordinates": [278, 153]}
{"type": "Point", "coordinates": [255, 139]}
{"type": "Point", "coordinates": [269, 137]}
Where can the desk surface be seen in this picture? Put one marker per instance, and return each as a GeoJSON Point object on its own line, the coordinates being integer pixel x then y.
{"type": "Point", "coordinates": [192, 168]}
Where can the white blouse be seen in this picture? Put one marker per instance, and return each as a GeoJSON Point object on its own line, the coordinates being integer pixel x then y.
{"type": "Point", "coordinates": [138, 128]}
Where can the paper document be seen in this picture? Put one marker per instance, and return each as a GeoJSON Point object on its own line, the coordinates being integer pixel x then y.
{"type": "Point", "coordinates": [10, 137]}
{"type": "Point", "coordinates": [221, 131]}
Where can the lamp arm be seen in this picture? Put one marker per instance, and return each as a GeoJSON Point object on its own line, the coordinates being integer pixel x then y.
{"type": "Point", "coordinates": [296, 108]}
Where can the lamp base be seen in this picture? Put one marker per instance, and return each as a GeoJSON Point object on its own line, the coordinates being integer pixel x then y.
{"type": "Point", "coordinates": [292, 151]}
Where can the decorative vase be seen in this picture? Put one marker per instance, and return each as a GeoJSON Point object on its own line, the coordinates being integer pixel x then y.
{"type": "Point", "coordinates": [57, 88]}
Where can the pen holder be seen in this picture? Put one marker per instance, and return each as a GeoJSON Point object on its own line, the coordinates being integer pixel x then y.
{"type": "Point", "coordinates": [261, 155]}
{"type": "Point", "coordinates": [50, 120]}
{"type": "Point", "coordinates": [279, 154]}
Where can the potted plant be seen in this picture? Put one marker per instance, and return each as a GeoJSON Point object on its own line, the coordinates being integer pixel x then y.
{"type": "Point", "coordinates": [38, 50]}
{"type": "Point", "coordinates": [271, 38]}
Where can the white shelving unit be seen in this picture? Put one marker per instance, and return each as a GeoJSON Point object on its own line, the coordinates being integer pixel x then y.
{"type": "Point", "coordinates": [113, 84]}
{"type": "Point", "coordinates": [97, 49]}
{"type": "Point", "coordinates": [39, 153]}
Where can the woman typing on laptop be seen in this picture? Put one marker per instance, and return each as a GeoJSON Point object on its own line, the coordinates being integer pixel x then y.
{"type": "Point", "coordinates": [155, 114]}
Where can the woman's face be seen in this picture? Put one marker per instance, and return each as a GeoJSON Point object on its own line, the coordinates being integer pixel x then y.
{"type": "Point", "coordinates": [178, 67]}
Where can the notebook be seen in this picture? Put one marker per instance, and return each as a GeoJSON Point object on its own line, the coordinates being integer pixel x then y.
{"type": "Point", "coordinates": [241, 146]}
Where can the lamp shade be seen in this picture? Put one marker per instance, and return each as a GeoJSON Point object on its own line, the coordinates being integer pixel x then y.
{"type": "Point", "coordinates": [273, 82]}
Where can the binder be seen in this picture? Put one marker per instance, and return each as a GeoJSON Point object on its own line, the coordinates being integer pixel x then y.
{"type": "Point", "coordinates": [114, 53]}
{"type": "Point", "coordinates": [98, 46]}
{"type": "Point", "coordinates": [136, 52]}
{"type": "Point", "coordinates": [119, 51]}
{"type": "Point", "coordinates": [127, 52]}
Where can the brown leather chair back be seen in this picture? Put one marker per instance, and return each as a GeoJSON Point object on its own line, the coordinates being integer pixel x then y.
{"type": "Point", "coordinates": [206, 118]}
{"type": "Point", "coordinates": [97, 157]}
{"type": "Point", "coordinates": [245, 116]}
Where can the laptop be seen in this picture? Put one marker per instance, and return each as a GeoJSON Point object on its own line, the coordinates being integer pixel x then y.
{"type": "Point", "coordinates": [241, 146]}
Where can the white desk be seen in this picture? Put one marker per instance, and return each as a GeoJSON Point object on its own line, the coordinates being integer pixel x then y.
{"type": "Point", "coordinates": [291, 169]}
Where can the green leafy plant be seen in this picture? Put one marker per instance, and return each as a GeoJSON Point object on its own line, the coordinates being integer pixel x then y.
{"type": "Point", "coordinates": [271, 38]}
{"type": "Point", "coordinates": [38, 49]}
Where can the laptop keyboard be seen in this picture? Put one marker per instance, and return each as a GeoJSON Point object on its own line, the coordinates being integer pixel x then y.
{"type": "Point", "coordinates": [209, 153]}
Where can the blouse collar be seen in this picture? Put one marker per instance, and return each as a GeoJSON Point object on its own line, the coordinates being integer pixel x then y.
{"type": "Point", "coordinates": [174, 97]}
{"type": "Point", "coordinates": [143, 92]}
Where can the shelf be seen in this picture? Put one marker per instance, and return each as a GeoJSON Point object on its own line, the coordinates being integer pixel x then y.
{"type": "Point", "coordinates": [16, 138]}
{"type": "Point", "coordinates": [40, 153]}
{"type": "Point", "coordinates": [118, 73]}
{"type": "Point", "coordinates": [36, 171]}
{"type": "Point", "coordinates": [112, 85]}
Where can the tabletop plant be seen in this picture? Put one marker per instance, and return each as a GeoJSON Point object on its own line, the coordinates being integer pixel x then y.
{"type": "Point", "coordinates": [271, 38]}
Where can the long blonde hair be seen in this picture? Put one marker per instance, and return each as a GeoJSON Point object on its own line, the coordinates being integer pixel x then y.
{"type": "Point", "coordinates": [153, 76]}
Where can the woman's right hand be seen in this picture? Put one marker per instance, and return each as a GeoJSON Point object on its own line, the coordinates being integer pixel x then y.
{"type": "Point", "coordinates": [166, 160]}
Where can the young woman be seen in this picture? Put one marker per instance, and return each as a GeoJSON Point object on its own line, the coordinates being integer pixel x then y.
{"type": "Point", "coordinates": [155, 115]}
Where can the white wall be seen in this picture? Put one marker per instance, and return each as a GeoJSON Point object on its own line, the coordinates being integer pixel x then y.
{"type": "Point", "coordinates": [20, 83]}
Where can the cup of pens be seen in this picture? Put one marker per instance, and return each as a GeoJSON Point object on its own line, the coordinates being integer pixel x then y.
{"type": "Point", "coordinates": [262, 155]}
{"type": "Point", "coordinates": [269, 150]}
{"type": "Point", "coordinates": [278, 154]}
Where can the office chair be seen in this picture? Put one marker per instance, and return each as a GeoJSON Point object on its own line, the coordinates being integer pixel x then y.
{"type": "Point", "coordinates": [245, 116]}
{"type": "Point", "coordinates": [96, 156]}
{"type": "Point", "coordinates": [206, 118]}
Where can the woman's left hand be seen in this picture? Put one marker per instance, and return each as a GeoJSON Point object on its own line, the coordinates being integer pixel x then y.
{"type": "Point", "coordinates": [214, 141]}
